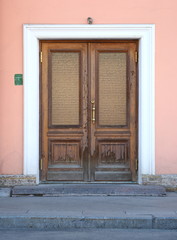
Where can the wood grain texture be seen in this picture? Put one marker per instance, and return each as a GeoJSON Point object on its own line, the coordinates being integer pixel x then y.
{"type": "Point", "coordinates": [76, 148]}
{"type": "Point", "coordinates": [64, 111]}
{"type": "Point", "coordinates": [114, 144]}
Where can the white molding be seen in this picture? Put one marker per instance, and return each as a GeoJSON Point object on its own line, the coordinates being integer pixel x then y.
{"type": "Point", "coordinates": [146, 35]}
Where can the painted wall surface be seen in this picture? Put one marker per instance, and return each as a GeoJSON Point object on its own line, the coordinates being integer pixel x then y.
{"type": "Point", "coordinates": [14, 13]}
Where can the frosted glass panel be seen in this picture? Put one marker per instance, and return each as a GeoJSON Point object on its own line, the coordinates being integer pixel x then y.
{"type": "Point", "coordinates": [65, 88]}
{"type": "Point", "coordinates": [112, 88]}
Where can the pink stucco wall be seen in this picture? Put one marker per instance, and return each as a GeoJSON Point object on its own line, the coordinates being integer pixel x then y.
{"type": "Point", "coordinates": [14, 13]}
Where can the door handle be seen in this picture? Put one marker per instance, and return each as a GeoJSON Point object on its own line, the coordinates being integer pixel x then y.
{"type": "Point", "coordinates": [93, 111]}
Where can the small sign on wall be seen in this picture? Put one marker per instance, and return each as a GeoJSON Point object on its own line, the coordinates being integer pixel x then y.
{"type": "Point", "coordinates": [18, 79]}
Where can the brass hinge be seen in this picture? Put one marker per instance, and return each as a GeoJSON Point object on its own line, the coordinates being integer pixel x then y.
{"type": "Point", "coordinates": [136, 56]}
{"type": "Point", "coordinates": [136, 164]}
{"type": "Point", "coordinates": [41, 56]}
{"type": "Point", "coordinates": [41, 164]}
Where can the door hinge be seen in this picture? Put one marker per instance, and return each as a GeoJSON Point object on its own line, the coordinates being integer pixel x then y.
{"type": "Point", "coordinates": [41, 56]}
{"type": "Point", "coordinates": [136, 164]}
{"type": "Point", "coordinates": [136, 56]}
{"type": "Point", "coordinates": [41, 164]}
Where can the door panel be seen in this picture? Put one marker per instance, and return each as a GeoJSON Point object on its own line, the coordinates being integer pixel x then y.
{"type": "Point", "coordinates": [113, 133]}
{"type": "Point", "coordinates": [64, 111]}
{"type": "Point", "coordinates": [88, 111]}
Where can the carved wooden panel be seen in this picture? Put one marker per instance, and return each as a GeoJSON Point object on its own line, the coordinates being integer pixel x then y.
{"type": "Point", "coordinates": [113, 152]}
{"type": "Point", "coordinates": [64, 152]}
{"type": "Point", "coordinates": [113, 163]}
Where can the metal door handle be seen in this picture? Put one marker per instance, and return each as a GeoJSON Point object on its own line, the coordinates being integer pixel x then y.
{"type": "Point", "coordinates": [93, 111]}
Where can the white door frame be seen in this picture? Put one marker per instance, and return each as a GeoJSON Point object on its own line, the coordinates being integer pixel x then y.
{"type": "Point", "coordinates": [144, 32]}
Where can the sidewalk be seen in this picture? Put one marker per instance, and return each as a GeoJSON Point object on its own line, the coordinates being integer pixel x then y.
{"type": "Point", "coordinates": [52, 213]}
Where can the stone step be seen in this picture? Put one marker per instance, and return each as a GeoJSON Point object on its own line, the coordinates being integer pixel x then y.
{"type": "Point", "coordinates": [59, 222]}
{"type": "Point", "coordinates": [89, 189]}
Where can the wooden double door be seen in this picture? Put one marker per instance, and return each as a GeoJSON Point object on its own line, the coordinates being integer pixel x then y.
{"type": "Point", "coordinates": [88, 111]}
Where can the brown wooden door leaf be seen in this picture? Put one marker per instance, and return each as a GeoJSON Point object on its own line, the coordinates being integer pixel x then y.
{"type": "Point", "coordinates": [88, 111]}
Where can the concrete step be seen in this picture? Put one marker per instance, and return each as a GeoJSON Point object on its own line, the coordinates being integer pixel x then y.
{"type": "Point", "coordinates": [89, 189]}
{"type": "Point", "coordinates": [60, 222]}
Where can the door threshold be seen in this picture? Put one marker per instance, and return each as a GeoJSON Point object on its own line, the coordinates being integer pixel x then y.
{"type": "Point", "coordinates": [59, 182]}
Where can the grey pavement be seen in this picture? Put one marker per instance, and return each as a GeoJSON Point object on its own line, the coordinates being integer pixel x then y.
{"type": "Point", "coordinates": [55, 213]}
{"type": "Point", "coordinates": [93, 206]}
{"type": "Point", "coordinates": [88, 234]}
{"type": "Point", "coordinates": [5, 192]}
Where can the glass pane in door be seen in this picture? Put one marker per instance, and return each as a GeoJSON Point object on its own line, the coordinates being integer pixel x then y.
{"type": "Point", "coordinates": [65, 88]}
{"type": "Point", "coordinates": [112, 78]}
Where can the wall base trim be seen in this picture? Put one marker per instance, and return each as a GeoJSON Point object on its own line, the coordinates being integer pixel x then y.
{"type": "Point", "coordinates": [169, 181]}
{"type": "Point", "coordinates": [15, 180]}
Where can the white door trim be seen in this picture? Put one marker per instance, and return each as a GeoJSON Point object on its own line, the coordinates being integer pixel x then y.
{"type": "Point", "coordinates": [146, 35]}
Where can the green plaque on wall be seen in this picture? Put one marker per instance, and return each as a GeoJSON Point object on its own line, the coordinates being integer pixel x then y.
{"type": "Point", "coordinates": [18, 78]}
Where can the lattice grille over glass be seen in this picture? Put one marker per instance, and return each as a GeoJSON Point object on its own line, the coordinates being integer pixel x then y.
{"type": "Point", "coordinates": [65, 88]}
{"type": "Point", "coordinates": [112, 88]}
